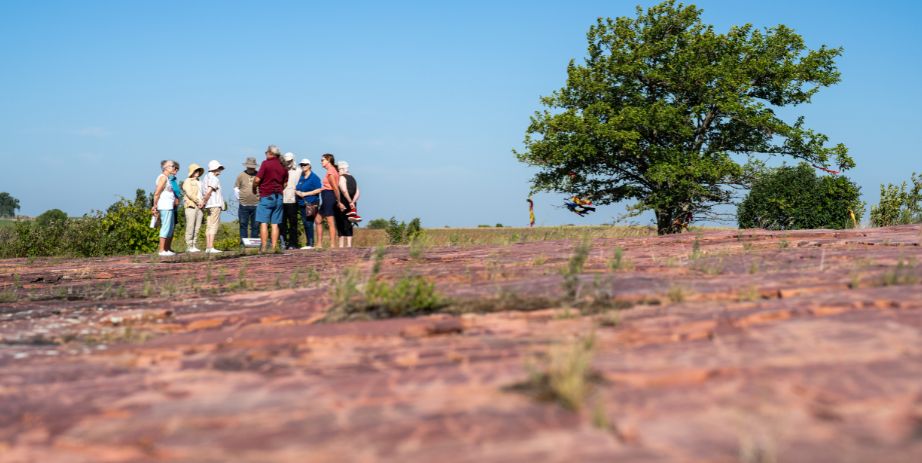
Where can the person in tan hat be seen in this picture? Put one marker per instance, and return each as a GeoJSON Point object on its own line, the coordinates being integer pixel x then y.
{"type": "Point", "coordinates": [247, 199]}
{"type": "Point", "coordinates": [193, 204]}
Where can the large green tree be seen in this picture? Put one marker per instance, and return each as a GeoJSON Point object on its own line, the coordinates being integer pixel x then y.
{"type": "Point", "coordinates": [8, 205]}
{"type": "Point", "coordinates": [665, 112]}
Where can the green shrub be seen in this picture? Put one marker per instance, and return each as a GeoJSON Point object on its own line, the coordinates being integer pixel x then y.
{"type": "Point", "coordinates": [793, 198]}
{"type": "Point", "coordinates": [355, 298]}
{"type": "Point", "coordinates": [377, 224]}
{"type": "Point", "coordinates": [401, 232]}
{"type": "Point", "coordinates": [123, 229]}
{"type": "Point", "coordinates": [898, 205]}
{"type": "Point", "coordinates": [51, 217]}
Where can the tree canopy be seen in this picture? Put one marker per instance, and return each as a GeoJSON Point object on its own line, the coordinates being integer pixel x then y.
{"type": "Point", "coordinates": [666, 112]}
{"type": "Point", "coordinates": [8, 205]}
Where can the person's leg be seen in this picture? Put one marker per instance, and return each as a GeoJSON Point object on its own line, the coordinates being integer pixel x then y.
{"type": "Point", "coordinates": [169, 243]}
{"type": "Point", "coordinates": [214, 221]}
{"type": "Point", "coordinates": [262, 216]}
{"type": "Point", "coordinates": [166, 229]}
{"type": "Point", "coordinates": [291, 216]}
{"type": "Point", "coordinates": [275, 236]}
{"type": "Point", "coordinates": [263, 236]}
{"type": "Point", "coordinates": [243, 216]}
{"type": "Point", "coordinates": [318, 229]}
{"type": "Point", "coordinates": [190, 227]}
{"type": "Point", "coordinates": [283, 225]}
{"type": "Point", "coordinates": [254, 226]}
{"type": "Point", "coordinates": [199, 215]}
{"type": "Point", "coordinates": [348, 241]}
{"type": "Point", "coordinates": [275, 219]}
{"type": "Point", "coordinates": [308, 226]}
{"type": "Point", "coordinates": [331, 224]}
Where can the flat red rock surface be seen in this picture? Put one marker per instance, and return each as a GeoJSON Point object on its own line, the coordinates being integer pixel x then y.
{"type": "Point", "coordinates": [723, 346]}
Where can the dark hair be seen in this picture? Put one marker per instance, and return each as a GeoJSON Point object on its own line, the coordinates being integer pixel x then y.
{"type": "Point", "coordinates": [329, 157]}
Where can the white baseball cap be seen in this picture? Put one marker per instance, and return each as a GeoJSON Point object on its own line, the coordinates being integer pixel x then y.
{"type": "Point", "coordinates": [214, 165]}
{"type": "Point", "coordinates": [305, 161]}
{"type": "Point", "coordinates": [289, 156]}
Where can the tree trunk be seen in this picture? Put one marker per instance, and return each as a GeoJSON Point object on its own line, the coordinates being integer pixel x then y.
{"type": "Point", "coordinates": [672, 220]}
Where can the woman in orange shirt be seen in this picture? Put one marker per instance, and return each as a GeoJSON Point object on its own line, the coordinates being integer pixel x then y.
{"type": "Point", "coordinates": [329, 199]}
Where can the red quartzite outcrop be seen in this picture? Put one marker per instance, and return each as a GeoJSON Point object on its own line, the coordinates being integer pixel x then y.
{"type": "Point", "coordinates": [718, 346]}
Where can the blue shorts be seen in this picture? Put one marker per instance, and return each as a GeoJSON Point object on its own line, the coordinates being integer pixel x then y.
{"type": "Point", "coordinates": [269, 209]}
{"type": "Point", "coordinates": [327, 203]}
{"type": "Point", "coordinates": [166, 223]}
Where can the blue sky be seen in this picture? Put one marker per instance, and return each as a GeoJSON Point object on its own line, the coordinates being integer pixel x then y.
{"type": "Point", "coordinates": [425, 100]}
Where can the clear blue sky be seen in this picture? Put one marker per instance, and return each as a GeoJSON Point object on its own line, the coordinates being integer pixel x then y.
{"type": "Point", "coordinates": [425, 100]}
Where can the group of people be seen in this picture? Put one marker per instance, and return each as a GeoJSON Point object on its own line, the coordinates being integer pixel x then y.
{"type": "Point", "coordinates": [273, 194]}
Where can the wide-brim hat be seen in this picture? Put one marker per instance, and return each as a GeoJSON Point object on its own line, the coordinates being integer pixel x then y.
{"type": "Point", "coordinates": [195, 167]}
{"type": "Point", "coordinates": [250, 163]}
{"type": "Point", "coordinates": [214, 165]}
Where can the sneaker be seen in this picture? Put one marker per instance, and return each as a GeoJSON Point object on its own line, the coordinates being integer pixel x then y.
{"type": "Point", "coordinates": [307, 247]}
{"type": "Point", "coordinates": [355, 219]}
{"type": "Point", "coordinates": [166, 253]}
{"type": "Point", "coordinates": [213, 251]}
{"type": "Point", "coordinates": [193, 249]}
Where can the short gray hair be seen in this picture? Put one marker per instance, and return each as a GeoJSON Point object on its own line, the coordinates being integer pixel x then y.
{"type": "Point", "coordinates": [163, 163]}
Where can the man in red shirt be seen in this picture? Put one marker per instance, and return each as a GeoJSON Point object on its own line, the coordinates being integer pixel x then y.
{"type": "Point", "coordinates": [270, 182]}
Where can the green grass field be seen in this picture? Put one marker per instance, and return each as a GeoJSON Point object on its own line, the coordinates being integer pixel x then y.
{"type": "Point", "coordinates": [228, 235]}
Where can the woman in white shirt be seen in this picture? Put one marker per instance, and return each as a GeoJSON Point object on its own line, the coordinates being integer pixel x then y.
{"type": "Point", "coordinates": [165, 202]}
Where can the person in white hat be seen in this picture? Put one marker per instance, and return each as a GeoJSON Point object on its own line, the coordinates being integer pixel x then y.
{"type": "Point", "coordinates": [289, 225]}
{"type": "Point", "coordinates": [213, 197]}
{"type": "Point", "coordinates": [308, 193]}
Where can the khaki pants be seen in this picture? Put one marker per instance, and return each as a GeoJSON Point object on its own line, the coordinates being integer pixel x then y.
{"type": "Point", "coordinates": [193, 224]}
{"type": "Point", "coordinates": [214, 221]}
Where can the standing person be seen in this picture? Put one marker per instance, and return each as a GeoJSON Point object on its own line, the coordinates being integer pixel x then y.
{"type": "Point", "coordinates": [248, 200]}
{"type": "Point", "coordinates": [165, 202]}
{"type": "Point", "coordinates": [213, 197]}
{"type": "Point", "coordinates": [192, 205]}
{"type": "Point", "coordinates": [349, 196]}
{"type": "Point", "coordinates": [177, 190]}
{"type": "Point", "coordinates": [308, 192]}
{"type": "Point", "coordinates": [270, 180]}
{"type": "Point", "coordinates": [329, 199]}
{"type": "Point", "coordinates": [289, 226]}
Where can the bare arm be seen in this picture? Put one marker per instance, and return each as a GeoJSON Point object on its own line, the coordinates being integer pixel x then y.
{"type": "Point", "coordinates": [161, 184]}
{"type": "Point", "coordinates": [344, 189]}
{"type": "Point", "coordinates": [358, 192]}
{"type": "Point", "coordinates": [256, 181]}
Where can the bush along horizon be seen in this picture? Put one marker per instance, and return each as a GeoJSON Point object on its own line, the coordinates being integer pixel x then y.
{"type": "Point", "coordinates": [795, 198]}
{"type": "Point", "coordinates": [124, 228]}
{"type": "Point", "coordinates": [899, 206]}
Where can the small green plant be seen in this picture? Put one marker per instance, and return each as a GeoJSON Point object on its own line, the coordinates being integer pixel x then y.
{"type": "Point", "coordinates": [617, 260]}
{"type": "Point", "coordinates": [571, 281]}
{"type": "Point", "coordinates": [403, 233]}
{"type": "Point", "coordinates": [417, 247]}
{"type": "Point", "coordinates": [696, 248]}
{"type": "Point", "coordinates": [355, 298]}
{"type": "Point", "coordinates": [610, 319]}
{"type": "Point", "coordinates": [748, 294]}
{"type": "Point", "coordinates": [783, 244]}
{"type": "Point", "coordinates": [8, 295]}
{"type": "Point", "coordinates": [676, 294]}
{"type": "Point", "coordinates": [902, 274]}
{"type": "Point", "coordinates": [754, 267]}
{"type": "Point", "coordinates": [565, 377]}
{"type": "Point", "coordinates": [539, 260]}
